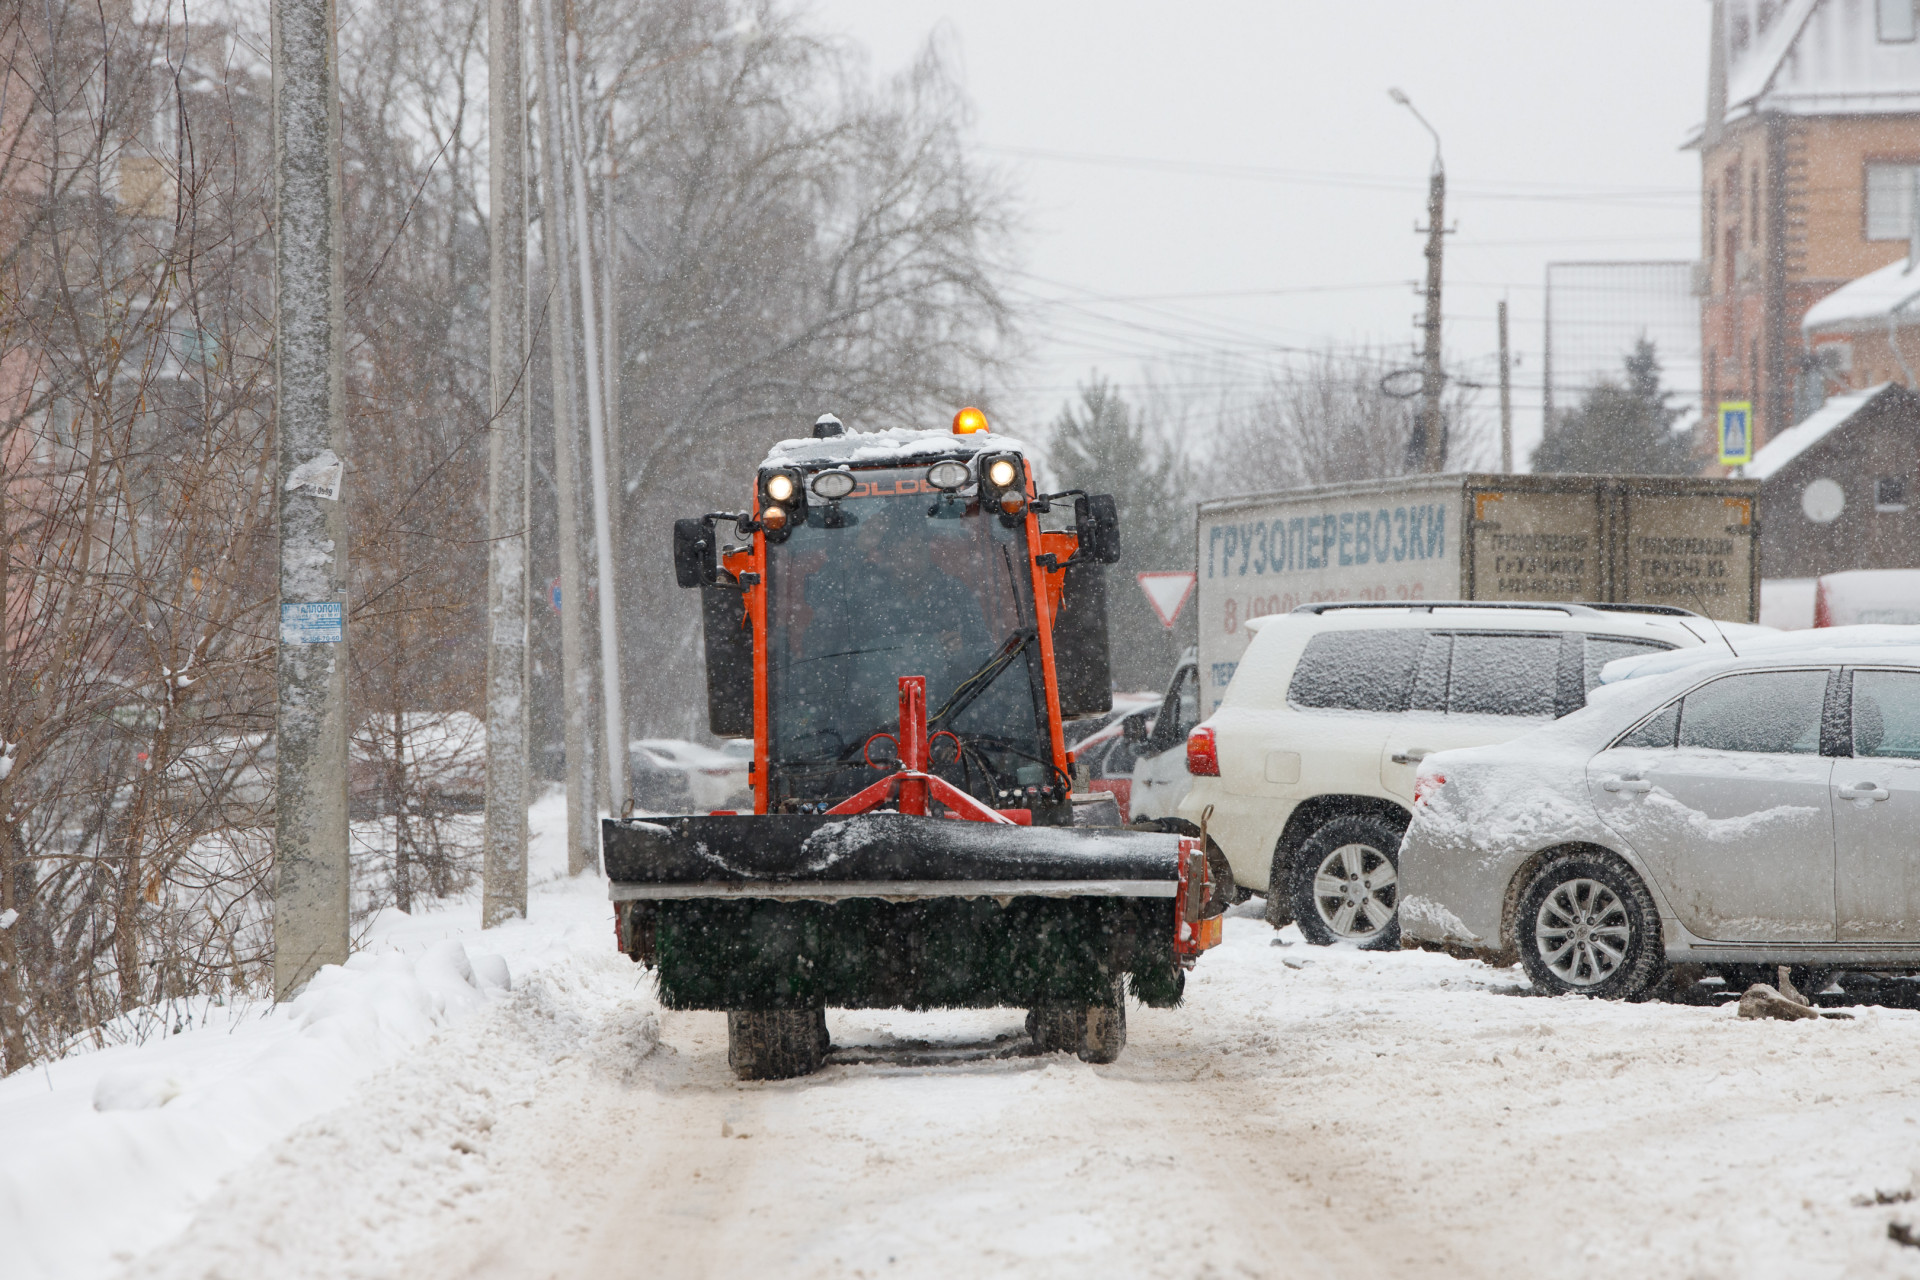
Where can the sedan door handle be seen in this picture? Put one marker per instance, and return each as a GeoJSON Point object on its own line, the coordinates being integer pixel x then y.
{"type": "Point", "coordinates": [1864, 791]}
{"type": "Point", "coordinates": [1412, 755]}
{"type": "Point", "coordinates": [1638, 786]}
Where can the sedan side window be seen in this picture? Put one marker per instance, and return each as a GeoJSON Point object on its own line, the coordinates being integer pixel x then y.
{"type": "Point", "coordinates": [1658, 731]}
{"type": "Point", "coordinates": [1503, 675]}
{"type": "Point", "coordinates": [1777, 712]}
{"type": "Point", "coordinates": [1886, 714]}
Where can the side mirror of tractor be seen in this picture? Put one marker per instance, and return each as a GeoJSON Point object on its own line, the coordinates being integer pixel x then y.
{"type": "Point", "coordinates": [1097, 523]}
{"type": "Point", "coordinates": [696, 562]}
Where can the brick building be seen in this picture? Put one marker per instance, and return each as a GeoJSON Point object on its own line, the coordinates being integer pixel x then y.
{"type": "Point", "coordinates": [1809, 158]}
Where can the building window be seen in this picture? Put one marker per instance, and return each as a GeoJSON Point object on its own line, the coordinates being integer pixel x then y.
{"type": "Point", "coordinates": [1890, 493]}
{"type": "Point", "coordinates": [1896, 20]}
{"type": "Point", "coordinates": [1890, 200]}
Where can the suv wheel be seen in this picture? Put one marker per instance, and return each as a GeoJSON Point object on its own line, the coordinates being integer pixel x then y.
{"type": "Point", "coordinates": [1346, 883]}
{"type": "Point", "coordinates": [1587, 926]}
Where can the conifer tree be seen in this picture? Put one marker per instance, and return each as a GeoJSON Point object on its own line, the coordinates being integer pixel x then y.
{"type": "Point", "coordinates": [1621, 427]}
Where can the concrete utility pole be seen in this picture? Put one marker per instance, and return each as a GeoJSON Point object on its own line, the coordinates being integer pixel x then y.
{"type": "Point", "coordinates": [1506, 397]}
{"type": "Point", "coordinates": [1434, 379]}
{"type": "Point", "coordinates": [583, 836]}
{"type": "Point", "coordinates": [612, 701]}
{"type": "Point", "coordinates": [309, 293]}
{"type": "Point", "coordinates": [504, 838]}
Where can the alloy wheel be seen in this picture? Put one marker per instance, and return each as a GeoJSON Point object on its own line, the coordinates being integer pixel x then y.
{"type": "Point", "coordinates": [1356, 888]}
{"type": "Point", "coordinates": [1582, 931]}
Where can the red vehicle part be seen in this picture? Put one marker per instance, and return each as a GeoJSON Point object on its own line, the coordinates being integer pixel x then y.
{"type": "Point", "coordinates": [1193, 934]}
{"type": "Point", "coordinates": [912, 786]}
{"type": "Point", "coordinates": [1203, 753]}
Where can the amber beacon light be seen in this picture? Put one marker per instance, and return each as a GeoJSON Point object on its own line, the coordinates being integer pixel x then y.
{"type": "Point", "coordinates": [969, 421]}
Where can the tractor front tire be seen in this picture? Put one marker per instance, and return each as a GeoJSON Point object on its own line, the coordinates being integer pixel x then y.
{"type": "Point", "coordinates": [775, 1044]}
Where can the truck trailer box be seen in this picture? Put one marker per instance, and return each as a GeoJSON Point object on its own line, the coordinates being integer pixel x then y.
{"type": "Point", "coordinates": [1667, 540]}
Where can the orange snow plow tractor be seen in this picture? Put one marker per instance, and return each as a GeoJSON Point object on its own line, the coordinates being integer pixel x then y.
{"type": "Point", "coordinates": [902, 623]}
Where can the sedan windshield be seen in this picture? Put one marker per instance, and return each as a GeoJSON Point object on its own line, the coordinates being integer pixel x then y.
{"type": "Point", "coordinates": [901, 581]}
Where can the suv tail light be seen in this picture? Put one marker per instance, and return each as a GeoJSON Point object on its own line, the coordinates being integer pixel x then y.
{"type": "Point", "coordinates": [1203, 756]}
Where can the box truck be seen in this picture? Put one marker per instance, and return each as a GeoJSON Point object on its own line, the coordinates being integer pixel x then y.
{"type": "Point", "coordinates": [1689, 542]}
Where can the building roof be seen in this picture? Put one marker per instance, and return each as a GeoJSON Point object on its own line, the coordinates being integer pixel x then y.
{"type": "Point", "coordinates": [1811, 57]}
{"type": "Point", "coordinates": [1803, 435]}
{"type": "Point", "coordinates": [1869, 302]}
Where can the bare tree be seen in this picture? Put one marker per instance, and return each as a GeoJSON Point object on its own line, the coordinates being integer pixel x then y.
{"type": "Point", "coordinates": [791, 240]}
{"type": "Point", "coordinates": [134, 445]}
{"type": "Point", "coordinates": [1330, 421]}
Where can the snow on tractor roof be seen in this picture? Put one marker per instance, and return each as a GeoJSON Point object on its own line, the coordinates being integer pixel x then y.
{"type": "Point", "coordinates": [896, 446]}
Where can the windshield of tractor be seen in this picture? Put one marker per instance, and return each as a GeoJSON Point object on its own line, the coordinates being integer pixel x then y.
{"type": "Point", "coordinates": [903, 581]}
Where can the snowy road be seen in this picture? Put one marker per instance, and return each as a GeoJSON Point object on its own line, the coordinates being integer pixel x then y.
{"type": "Point", "coordinates": [1307, 1113]}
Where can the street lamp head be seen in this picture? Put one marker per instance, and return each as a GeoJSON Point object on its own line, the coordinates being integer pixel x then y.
{"type": "Point", "coordinates": [1399, 96]}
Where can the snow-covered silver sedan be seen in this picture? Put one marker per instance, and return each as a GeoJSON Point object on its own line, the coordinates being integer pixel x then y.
{"type": "Point", "coordinates": [1730, 811]}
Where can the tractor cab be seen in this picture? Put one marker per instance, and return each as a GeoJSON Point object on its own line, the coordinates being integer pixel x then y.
{"type": "Point", "coordinates": [870, 558]}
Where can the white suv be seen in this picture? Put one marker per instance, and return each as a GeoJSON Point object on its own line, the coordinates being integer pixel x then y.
{"type": "Point", "coordinates": [1304, 776]}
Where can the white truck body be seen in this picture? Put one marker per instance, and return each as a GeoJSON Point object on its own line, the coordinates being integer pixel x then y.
{"type": "Point", "coordinates": [1666, 540]}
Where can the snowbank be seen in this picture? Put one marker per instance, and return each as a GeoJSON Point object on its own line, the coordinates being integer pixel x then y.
{"type": "Point", "coordinates": [110, 1152]}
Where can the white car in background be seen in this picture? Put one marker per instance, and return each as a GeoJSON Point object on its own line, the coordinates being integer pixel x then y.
{"type": "Point", "coordinates": [1743, 812]}
{"type": "Point", "coordinates": [715, 778]}
{"type": "Point", "coordinates": [1305, 773]}
{"type": "Point", "coordinates": [1159, 773]}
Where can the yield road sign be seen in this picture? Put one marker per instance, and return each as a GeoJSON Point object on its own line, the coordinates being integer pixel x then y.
{"type": "Point", "coordinates": [1167, 592]}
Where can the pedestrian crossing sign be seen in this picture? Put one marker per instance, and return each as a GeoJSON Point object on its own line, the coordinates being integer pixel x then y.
{"type": "Point", "coordinates": [1736, 432]}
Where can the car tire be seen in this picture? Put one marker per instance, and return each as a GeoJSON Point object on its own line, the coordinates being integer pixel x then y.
{"type": "Point", "coordinates": [1345, 880]}
{"type": "Point", "coordinates": [775, 1044]}
{"type": "Point", "coordinates": [1587, 926]}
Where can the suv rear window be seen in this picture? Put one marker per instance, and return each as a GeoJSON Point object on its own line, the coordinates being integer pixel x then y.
{"type": "Point", "coordinates": [1503, 675]}
{"type": "Point", "coordinates": [1356, 670]}
{"type": "Point", "coordinates": [1604, 649]}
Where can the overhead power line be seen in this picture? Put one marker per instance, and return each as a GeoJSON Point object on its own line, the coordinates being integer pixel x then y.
{"type": "Point", "coordinates": [1520, 189]}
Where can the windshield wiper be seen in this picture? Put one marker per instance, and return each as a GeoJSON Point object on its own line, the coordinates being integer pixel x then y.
{"type": "Point", "coordinates": [976, 684]}
{"type": "Point", "coordinates": [848, 653]}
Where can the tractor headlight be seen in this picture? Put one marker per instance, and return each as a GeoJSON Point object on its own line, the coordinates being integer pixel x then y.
{"type": "Point", "coordinates": [780, 486]}
{"type": "Point", "coordinates": [1003, 483]}
{"type": "Point", "coordinates": [832, 485]}
{"type": "Point", "coordinates": [774, 517]}
{"type": "Point", "coordinates": [948, 475]}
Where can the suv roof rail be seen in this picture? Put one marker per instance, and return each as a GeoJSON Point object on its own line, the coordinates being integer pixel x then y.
{"type": "Point", "coordinates": [1660, 610]}
{"type": "Point", "coordinates": [1428, 606]}
{"type": "Point", "coordinates": [1586, 608]}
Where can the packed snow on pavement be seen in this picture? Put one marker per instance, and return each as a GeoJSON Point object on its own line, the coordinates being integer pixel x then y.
{"type": "Point", "coordinates": [514, 1103]}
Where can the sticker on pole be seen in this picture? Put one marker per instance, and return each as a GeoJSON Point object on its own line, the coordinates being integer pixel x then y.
{"type": "Point", "coordinates": [313, 622]}
{"type": "Point", "coordinates": [1167, 592]}
{"type": "Point", "coordinates": [319, 474]}
{"type": "Point", "coordinates": [553, 594]}
{"type": "Point", "coordinates": [1736, 432]}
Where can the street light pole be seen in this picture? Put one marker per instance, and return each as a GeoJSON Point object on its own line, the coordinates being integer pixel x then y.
{"type": "Point", "coordinates": [1433, 380]}
{"type": "Point", "coordinates": [310, 865]}
{"type": "Point", "coordinates": [504, 835]}
{"type": "Point", "coordinates": [583, 826]}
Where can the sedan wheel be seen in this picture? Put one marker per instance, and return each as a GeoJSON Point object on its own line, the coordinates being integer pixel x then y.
{"type": "Point", "coordinates": [1588, 926]}
{"type": "Point", "coordinates": [1582, 933]}
{"type": "Point", "coordinates": [1347, 886]}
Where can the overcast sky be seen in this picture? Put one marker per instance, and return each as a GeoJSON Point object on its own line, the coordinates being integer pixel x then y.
{"type": "Point", "coordinates": [1171, 155]}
